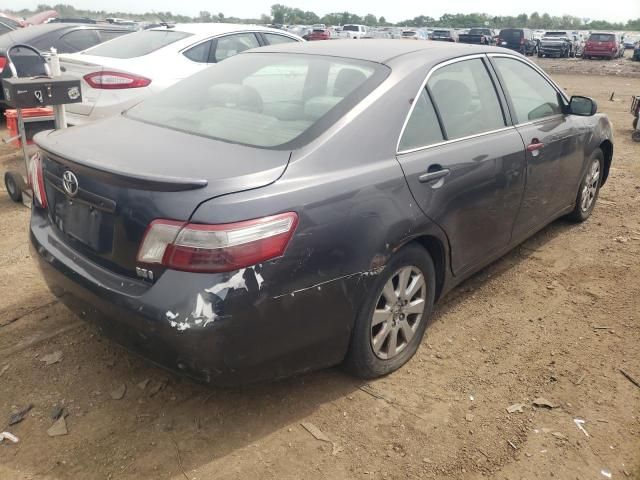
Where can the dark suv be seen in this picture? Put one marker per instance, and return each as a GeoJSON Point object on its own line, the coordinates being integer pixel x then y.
{"type": "Point", "coordinates": [518, 39]}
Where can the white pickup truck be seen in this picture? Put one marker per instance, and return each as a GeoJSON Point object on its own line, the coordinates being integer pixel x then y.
{"type": "Point", "coordinates": [354, 31]}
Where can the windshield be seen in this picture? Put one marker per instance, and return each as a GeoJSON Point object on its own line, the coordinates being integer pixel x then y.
{"type": "Point", "coordinates": [602, 37]}
{"type": "Point", "coordinates": [263, 100]}
{"type": "Point", "coordinates": [409, 34]}
{"type": "Point", "coordinates": [479, 31]}
{"type": "Point", "coordinates": [137, 44]}
{"type": "Point", "coordinates": [442, 33]}
{"type": "Point", "coordinates": [350, 28]}
{"type": "Point", "coordinates": [556, 34]}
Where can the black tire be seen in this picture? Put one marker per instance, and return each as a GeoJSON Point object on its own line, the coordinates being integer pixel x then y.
{"type": "Point", "coordinates": [361, 360]}
{"type": "Point", "coordinates": [14, 183]}
{"type": "Point", "coordinates": [635, 136]}
{"type": "Point", "coordinates": [580, 213]}
{"type": "Point", "coordinates": [635, 123]}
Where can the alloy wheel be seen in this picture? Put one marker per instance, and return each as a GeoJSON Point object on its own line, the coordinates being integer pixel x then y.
{"type": "Point", "coordinates": [590, 188]}
{"type": "Point", "coordinates": [398, 312]}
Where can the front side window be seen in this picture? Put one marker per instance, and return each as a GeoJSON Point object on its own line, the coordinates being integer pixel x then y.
{"type": "Point", "coordinates": [231, 45]}
{"type": "Point", "coordinates": [532, 96]}
{"type": "Point", "coordinates": [466, 99]}
{"type": "Point", "coordinates": [263, 100]}
{"type": "Point", "coordinates": [423, 128]}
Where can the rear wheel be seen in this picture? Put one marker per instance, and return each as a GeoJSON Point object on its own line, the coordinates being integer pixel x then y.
{"type": "Point", "coordinates": [589, 188]}
{"type": "Point", "coordinates": [393, 319]}
{"type": "Point", "coordinates": [14, 184]}
{"type": "Point", "coordinates": [635, 136]}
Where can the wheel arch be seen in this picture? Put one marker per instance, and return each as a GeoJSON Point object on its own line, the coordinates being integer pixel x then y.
{"type": "Point", "coordinates": [607, 149]}
{"type": "Point", "coordinates": [436, 249]}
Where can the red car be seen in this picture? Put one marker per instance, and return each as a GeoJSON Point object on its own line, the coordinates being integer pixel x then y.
{"type": "Point", "coordinates": [319, 32]}
{"type": "Point", "coordinates": [606, 45]}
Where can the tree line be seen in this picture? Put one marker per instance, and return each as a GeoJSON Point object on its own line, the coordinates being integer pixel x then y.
{"type": "Point", "coordinates": [284, 15]}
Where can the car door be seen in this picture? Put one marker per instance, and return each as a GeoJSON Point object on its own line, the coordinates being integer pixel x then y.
{"type": "Point", "coordinates": [464, 164]}
{"type": "Point", "coordinates": [552, 139]}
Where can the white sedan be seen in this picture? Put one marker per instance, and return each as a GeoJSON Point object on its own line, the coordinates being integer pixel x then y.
{"type": "Point", "coordinates": [118, 74]}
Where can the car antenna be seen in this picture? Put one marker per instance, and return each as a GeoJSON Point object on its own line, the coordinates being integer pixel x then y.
{"type": "Point", "coordinates": [164, 23]}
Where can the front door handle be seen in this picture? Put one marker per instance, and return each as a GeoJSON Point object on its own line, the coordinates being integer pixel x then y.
{"type": "Point", "coordinates": [535, 145]}
{"type": "Point", "coordinates": [434, 176]}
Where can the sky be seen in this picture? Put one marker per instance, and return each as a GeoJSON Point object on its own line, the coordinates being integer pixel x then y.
{"type": "Point", "coordinates": [392, 10]}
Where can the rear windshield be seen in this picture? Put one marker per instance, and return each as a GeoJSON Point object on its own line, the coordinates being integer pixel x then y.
{"type": "Point", "coordinates": [350, 28]}
{"type": "Point", "coordinates": [511, 34]}
{"type": "Point", "coordinates": [137, 44]}
{"type": "Point", "coordinates": [409, 34]}
{"type": "Point", "coordinates": [602, 37]}
{"type": "Point", "coordinates": [442, 33]}
{"type": "Point", "coordinates": [479, 31]}
{"type": "Point", "coordinates": [263, 100]}
{"type": "Point", "coordinates": [556, 34]}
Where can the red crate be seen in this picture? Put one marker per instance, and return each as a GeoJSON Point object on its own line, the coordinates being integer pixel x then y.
{"type": "Point", "coordinates": [35, 120]}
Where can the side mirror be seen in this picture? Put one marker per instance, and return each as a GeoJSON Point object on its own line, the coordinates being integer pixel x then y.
{"type": "Point", "coordinates": [582, 106]}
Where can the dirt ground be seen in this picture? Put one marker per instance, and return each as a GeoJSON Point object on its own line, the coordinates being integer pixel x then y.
{"type": "Point", "coordinates": [557, 318]}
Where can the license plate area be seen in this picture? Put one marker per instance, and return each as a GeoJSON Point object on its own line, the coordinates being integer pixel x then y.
{"type": "Point", "coordinates": [84, 223]}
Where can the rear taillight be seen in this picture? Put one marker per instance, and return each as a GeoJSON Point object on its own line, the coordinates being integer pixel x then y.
{"type": "Point", "coordinates": [3, 62]}
{"type": "Point", "coordinates": [115, 80]}
{"type": "Point", "coordinates": [36, 180]}
{"type": "Point", "coordinates": [522, 41]}
{"type": "Point", "coordinates": [216, 248]}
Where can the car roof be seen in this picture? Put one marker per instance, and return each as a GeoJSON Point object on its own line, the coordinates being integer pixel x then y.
{"type": "Point", "coordinates": [377, 50]}
{"type": "Point", "coordinates": [208, 29]}
{"type": "Point", "coordinates": [29, 34]}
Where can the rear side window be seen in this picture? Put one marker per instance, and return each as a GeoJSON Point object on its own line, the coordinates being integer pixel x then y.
{"type": "Point", "coordinates": [466, 99]}
{"type": "Point", "coordinates": [423, 128]}
{"type": "Point", "coordinates": [602, 37]}
{"type": "Point", "coordinates": [275, 39]}
{"type": "Point", "coordinates": [231, 45]}
{"type": "Point", "coordinates": [199, 53]}
{"type": "Point", "coordinates": [106, 35]}
{"type": "Point", "coordinates": [137, 44]}
{"type": "Point", "coordinates": [531, 95]}
{"type": "Point", "coordinates": [78, 40]}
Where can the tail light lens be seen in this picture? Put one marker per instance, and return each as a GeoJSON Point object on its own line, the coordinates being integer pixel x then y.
{"type": "Point", "coordinates": [522, 41]}
{"type": "Point", "coordinates": [115, 80]}
{"type": "Point", "coordinates": [216, 248]}
{"type": "Point", "coordinates": [36, 180]}
{"type": "Point", "coordinates": [3, 62]}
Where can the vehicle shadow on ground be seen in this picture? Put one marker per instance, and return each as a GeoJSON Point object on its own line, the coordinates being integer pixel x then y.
{"type": "Point", "coordinates": [196, 423]}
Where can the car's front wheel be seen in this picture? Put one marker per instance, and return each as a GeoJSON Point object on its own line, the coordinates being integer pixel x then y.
{"type": "Point", "coordinates": [589, 188]}
{"type": "Point", "coordinates": [392, 321]}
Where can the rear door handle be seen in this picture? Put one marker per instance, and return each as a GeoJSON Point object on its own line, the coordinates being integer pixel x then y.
{"type": "Point", "coordinates": [433, 176]}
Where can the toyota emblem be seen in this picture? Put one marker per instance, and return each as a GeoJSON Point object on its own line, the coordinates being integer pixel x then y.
{"type": "Point", "coordinates": [70, 183]}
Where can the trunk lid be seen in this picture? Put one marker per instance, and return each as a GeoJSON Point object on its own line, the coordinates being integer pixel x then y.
{"type": "Point", "coordinates": [129, 173]}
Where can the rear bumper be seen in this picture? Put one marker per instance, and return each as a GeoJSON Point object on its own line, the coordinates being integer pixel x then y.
{"type": "Point", "coordinates": [249, 336]}
{"type": "Point", "coordinates": [598, 53]}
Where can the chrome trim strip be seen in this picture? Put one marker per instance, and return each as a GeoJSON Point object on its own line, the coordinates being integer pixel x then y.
{"type": "Point", "coordinates": [446, 142]}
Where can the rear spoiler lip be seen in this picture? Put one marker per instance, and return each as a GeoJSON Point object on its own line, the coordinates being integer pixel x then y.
{"type": "Point", "coordinates": [133, 179]}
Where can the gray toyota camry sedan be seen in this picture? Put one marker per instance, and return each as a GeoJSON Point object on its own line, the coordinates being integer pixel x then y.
{"type": "Point", "coordinates": [305, 205]}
